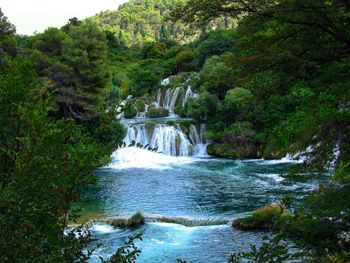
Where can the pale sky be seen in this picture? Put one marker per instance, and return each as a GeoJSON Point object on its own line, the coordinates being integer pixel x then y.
{"type": "Point", "coordinates": [36, 15]}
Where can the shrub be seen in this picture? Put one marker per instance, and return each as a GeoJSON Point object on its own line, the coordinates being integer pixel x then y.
{"type": "Point", "coordinates": [140, 105]}
{"type": "Point", "coordinates": [179, 110]}
{"type": "Point", "coordinates": [187, 60]}
{"type": "Point", "coordinates": [157, 112]}
{"type": "Point", "coordinates": [171, 123]}
{"type": "Point", "coordinates": [203, 107]}
{"type": "Point", "coordinates": [130, 112]}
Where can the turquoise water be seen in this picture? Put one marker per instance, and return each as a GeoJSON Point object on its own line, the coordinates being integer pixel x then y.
{"type": "Point", "coordinates": [206, 193]}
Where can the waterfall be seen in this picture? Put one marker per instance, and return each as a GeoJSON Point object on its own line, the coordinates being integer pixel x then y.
{"type": "Point", "coordinates": [200, 148]}
{"type": "Point", "coordinates": [159, 98]}
{"type": "Point", "coordinates": [170, 99]}
{"type": "Point", "coordinates": [165, 81]}
{"type": "Point", "coordinates": [194, 135]}
{"type": "Point", "coordinates": [189, 93]}
{"type": "Point", "coordinates": [169, 140]}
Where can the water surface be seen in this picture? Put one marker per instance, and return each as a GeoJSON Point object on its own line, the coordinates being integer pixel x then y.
{"type": "Point", "coordinates": [207, 193]}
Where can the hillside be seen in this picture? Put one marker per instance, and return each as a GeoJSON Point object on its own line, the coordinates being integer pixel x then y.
{"type": "Point", "coordinates": [140, 21]}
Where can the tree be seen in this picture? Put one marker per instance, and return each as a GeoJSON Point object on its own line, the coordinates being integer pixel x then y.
{"type": "Point", "coordinates": [7, 37]}
{"type": "Point", "coordinates": [45, 166]}
{"type": "Point", "coordinates": [216, 76]}
{"type": "Point", "coordinates": [203, 107]}
{"type": "Point", "coordinates": [75, 63]}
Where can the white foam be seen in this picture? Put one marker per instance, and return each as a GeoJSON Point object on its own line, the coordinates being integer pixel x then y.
{"type": "Point", "coordinates": [276, 177]}
{"type": "Point", "coordinates": [133, 157]}
{"type": "Point", "coordinates": [165, 81]}
{"type": "Point", "coordinates": [287, 159]}
{"type": "Point", "coordinates": [102, 228]}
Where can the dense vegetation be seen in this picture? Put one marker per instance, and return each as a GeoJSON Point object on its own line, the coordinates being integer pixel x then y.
{"type": "Point", "coordinates": [54, 133]}
{"type": "Point", "coordinates": [276, 83]}
{"type": "Point", "coordinates": [138, 22]}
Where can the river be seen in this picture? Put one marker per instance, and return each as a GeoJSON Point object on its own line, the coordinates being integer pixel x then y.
{"type": "Point", "coordinates": [204, 194]}
{"type": "Point", "coordinates": [170, 176]}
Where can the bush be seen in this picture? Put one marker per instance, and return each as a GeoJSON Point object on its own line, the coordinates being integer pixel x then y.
{"type": "Point", "coordinates": [157, 112]}
{"type": "Point", "coordinates": [140, 105]}
{"type": "Point", "coordinates": [179, 110]}
{"type": "Point", "coordinates": [130, 112]}
{"type": "Point", "coordinates": [203, 107]}
{"type": "Point", "coordinates": [186, 60]}
{"type": "Point", "coordinates": [217, 75]}
{"type": "Point", "coordinates": [171, 123]}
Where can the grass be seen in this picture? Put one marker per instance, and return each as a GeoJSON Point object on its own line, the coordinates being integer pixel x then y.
{"type": "Point", "coordinates": [267, 217]}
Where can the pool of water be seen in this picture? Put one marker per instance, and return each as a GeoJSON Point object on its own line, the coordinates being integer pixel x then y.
{"type": "Point", "coordinates": [207, 193]}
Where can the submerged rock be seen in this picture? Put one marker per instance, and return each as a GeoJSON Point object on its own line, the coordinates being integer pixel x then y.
{"type": "Point", "coordinates": [267, 217]}
{"type": "Point", "coordinates": [135, 220]}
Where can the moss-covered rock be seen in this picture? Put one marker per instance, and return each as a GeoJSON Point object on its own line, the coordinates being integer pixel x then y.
{"type": "Point", "coordinates": [230, 150]}
{"type": "Point", "coordinates": [185, 125]}
{"type": "Point", "coordinates": [180, 96]}
{"type": "Point", "coordinates": [140, 105]}
{"type": "Point", "coordinates": [267, 217]}
{"type": "Point", "coordinates": [130, 112]}
{"type": "Point", "coordinates": [157, 112]}
{"type": "Point", "coordinates": [171, 123]}
{"type": "Point", "coordinates": [150, 126]}
{"type": "Point", "coordinates": [135, 220]}
{"type": "Point", "coordinates": [274, 149]}
{"type": "Point", "coordinates": [179, 110]}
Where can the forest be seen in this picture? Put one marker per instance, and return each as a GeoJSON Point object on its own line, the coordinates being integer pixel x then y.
{"type": "Point", "coordinates": [270, 78]}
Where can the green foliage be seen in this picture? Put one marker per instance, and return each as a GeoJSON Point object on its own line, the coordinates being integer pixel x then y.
{"type": "Point", "coordinates": [179, 110]}
{"type": "Point", "coordinates": [136, 23]}
{"type": "Point", "coordinates": [186, 60]}
{"type": "Point", "coordinates": [150, 125]}
{"type": "Point", "coordinates": [46, 165]}
{"type": "Point", "coordinates": [236, 104]}
{"type": "Point", "coordinates": [236, 141]}
{"type": "Point", "coordinates": [297, 88]}
{"type": "Point", "coordinates": [216, 76]}
{"type": "Point", "coordinates": [140, 105]}
{"type": "Point", "coordinates": [147, 75]}
{"type": "Point", "coordinates": [202, 107]}
{"type": "Point", "coordinates": [74, 64]}
{"type": "Point", "coordinates": [267, 217]}
{"type": "Point", "coordinates": [216, 42]}
{"type": "Point", "coordinates": [130, 112]}
{"type": "Point", "coordinates": [106, 130]}
{"type": "Point", "coordinates": [154, 50]}
{"type": "Point", "coordinates": [47, 162]}
{"type": "Point", "coordinates": [157, 112]}
{"type": "Point", "coordinates": [322, 219]}
{"type": "Point", "coordinates": [8, 44]}
{"type": "Point", "coordinates": [127, 253]}
{"type": "Point", "coordinates": [273, 249]}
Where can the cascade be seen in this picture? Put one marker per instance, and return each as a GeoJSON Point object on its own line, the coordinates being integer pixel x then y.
{"type": "Point", "coordinates": [170, 99]}
{"type": "Point", "coordinates": [171, 96]}
{"type": "Point", "coordinates": [168, 139]}
{"type": "Point", "coordinates": [189, 94]}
